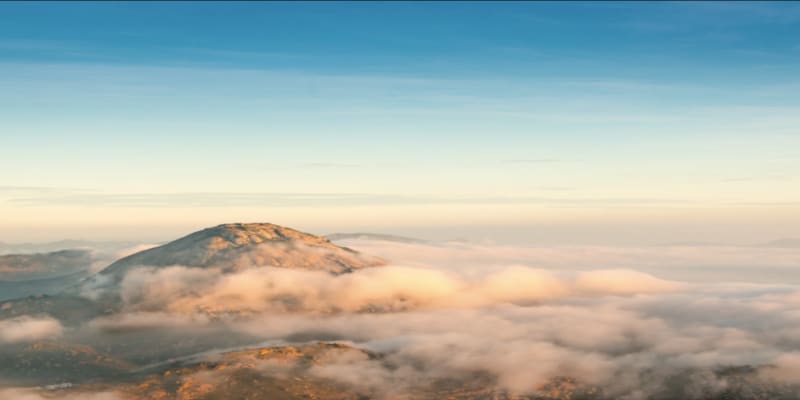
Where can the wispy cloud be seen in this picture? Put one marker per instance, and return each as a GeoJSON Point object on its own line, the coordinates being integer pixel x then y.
{"type": "Point", "coordinates": [757, 178]}
{"type": "Point", "coordinates": [212, 199]}
{"type": "Point", "coordinates": [35, 189]}
{"type": "Point", "coordinates": [531, 161]}
{"type": "Point", "coordinates": [329, 165]}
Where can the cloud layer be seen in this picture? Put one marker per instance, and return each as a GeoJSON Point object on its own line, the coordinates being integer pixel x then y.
{"type": "Point", "coordinates": [29, 394]}
{"type": "Point", "coordinates": [388, 289]}
{"type": "Point", "coordinates": [520, 318]}
{"type": "Point", "coordinates": [28, 329]}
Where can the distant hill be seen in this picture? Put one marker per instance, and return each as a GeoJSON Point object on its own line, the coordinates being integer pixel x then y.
{"type": "Point", "coordinates": [373, 236]}
{"type": "Point", "coordinates": [68, 244]}
{"type": "Point", "coordinates": [42, 265]}
{"type": "Point", "coordinates": [235, 247]}
{"type": "Point", "coordinates": [228, 248]}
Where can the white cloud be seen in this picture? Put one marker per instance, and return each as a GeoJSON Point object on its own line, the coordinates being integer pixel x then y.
{"type": "Point", "coordinates": [31, 394]}
{"type": "Point", "coordinates": [27, 329]}
{"type": "Point", "coordinates": [460, 309]}
{"type": "Point", "coordinates": [622, 282]}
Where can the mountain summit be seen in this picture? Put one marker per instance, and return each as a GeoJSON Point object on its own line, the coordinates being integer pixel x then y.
{"type": "Point", "coordinates": [235, 247]}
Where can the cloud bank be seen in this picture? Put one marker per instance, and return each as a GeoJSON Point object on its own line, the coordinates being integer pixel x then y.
{"type": "Point", "coordinates": [29, 394]}
{"type": "Point", "coordinates": [516, 318]}
{"type": "Point", "coordinates": [187, 290]}
{"type": "Point", "coordinates": [28, 329]}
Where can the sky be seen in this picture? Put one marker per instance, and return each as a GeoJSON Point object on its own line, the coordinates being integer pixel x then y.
{"type": "Point", "coordinates": [530, 122]}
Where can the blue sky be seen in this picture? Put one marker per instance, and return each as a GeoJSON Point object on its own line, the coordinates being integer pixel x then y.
{"type": "Point", "coordinates": [548, 120]}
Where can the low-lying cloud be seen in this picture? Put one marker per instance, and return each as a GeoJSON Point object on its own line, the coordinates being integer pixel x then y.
{"type": "Point", "coordinates": [28, 329]}
{"type": "Point", "coordinates": [31, 394]}
{"type": "Point", "coordinates": [521, 318]}
{"type": "Point", "coordinates": [388, 289]}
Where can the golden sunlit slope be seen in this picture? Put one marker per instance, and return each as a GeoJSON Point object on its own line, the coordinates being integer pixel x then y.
{"type": "Point", "coordinates": [331, 371]}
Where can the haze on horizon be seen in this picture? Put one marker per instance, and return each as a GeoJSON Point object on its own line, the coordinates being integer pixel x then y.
{"type": "Point", "coordinates": [623, 123]}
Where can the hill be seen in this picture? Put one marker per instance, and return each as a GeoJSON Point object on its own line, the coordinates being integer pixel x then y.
{"type": "Point", "coordinates": [235, 247]}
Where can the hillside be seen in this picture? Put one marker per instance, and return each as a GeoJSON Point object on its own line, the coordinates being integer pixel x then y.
{"type": "Point", "coordinates": [235, 247]}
